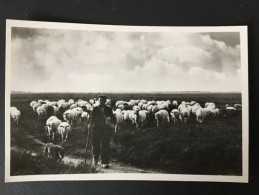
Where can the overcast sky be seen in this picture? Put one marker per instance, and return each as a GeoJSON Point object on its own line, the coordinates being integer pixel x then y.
{"type": "Point", "coordinates": [89, 61]}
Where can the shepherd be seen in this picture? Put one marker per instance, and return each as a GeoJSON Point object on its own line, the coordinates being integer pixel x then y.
{"type": "Point", "coordinates": [102, 122]}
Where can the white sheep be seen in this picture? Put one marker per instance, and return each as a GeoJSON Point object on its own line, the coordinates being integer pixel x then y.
{"type": "Point", "coordinates": [41, 111]}
{"type": "Point", "coordinates": [133, 117]}
{"type": "Point", "coordinates": [202, 113]}
{"type": "Point", "coordinates": [126, 114]}
{"type": "Point", "coordinates": [64, 129]}
{"type": "Point", "coordinates": [71, 101]}
{"type": "Point", "coordinates": [52, 126]}
{"type": "Point", "coordinates": [162, 118]}
{"type": "Point", "coordinates": [185, 113]}
{"type": "Point", "coordinates": [119, 119]}
{"type": "Point", "coordinates": [15, 115]}
{"type": "Point", "coordinates": [85, 118]}
{"type": "Point", "coordinates": [33, 103]}
{"type": "Point", "coordinates": [35, 106]}
{"type": "Point", "coordinates": [175, 115]}
{"type": "Point", "coordinates": [142, 117]}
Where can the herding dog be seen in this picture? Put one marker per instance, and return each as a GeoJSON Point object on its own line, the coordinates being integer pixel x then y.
{"type": "Point", "coordinates": [56, 152]}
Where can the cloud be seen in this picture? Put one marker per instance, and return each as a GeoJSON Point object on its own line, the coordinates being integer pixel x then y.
{"type": "Point", "coordinates": [82, 61]}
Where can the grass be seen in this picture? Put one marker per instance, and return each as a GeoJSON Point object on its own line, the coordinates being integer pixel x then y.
{"type": "Point", "coordinates": [184, 148]}
{"type": "Point", "coordinates": [25, 164]}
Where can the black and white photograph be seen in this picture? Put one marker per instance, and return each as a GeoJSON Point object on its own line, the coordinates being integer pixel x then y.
{"type": "Point", "coordinates": [106, 102]}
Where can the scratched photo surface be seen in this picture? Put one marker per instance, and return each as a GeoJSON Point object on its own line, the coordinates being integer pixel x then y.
{"type": "Point", "coordinates": [176, 98]}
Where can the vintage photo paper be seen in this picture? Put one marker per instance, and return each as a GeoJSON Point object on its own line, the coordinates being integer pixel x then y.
{"type": "Point", "coordinates": [106, 102]}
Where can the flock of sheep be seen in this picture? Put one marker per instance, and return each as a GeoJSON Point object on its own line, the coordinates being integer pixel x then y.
{"type": "Point", "coordinates": [63, 115]}
{"type": "Point", "coordinates": [164, 113]}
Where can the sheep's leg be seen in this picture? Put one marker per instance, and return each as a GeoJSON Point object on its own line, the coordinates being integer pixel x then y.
{"type": "Point", "coordinates": [53, 136]}
{"type": "Point", "coordinates": [66, 137]}
{"type": "Point", "coordinates": [136, 125]}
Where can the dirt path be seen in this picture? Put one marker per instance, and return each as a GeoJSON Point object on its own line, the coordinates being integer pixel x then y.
{"type": "Point", "coordinates": [35, 147]}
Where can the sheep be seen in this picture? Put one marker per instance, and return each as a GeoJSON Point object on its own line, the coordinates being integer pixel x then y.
{"type": "Point", "coordinates": [108, 102]}
{"type": "Point", "coordinates": [217, 112]}
{"type": "Point", "coordinates": [119, 119]}
{"type": "Point", "coordinates": [192, 103]}
{"type": "Point", "coordinates": [15, 115]}
{"type": "Point", "coordinates": [96, 103]}
{"type": "Point", "coordinates": [126, 114]}
{"type": "Point", "coordinates": [69, 116]}
{"type": "Point", "coordinates": [149, 108]}
{"type": "Point", "coordinates": [143, 101]}
{"type": "Point", "coordinates": [64, 106]}
{"type": "Point", "coordinates": [140, 104]}
{"type": "Point", "coordinates": [73, 106]}
{"type": "Point", "coordinates": [211, 105]}
{"type": "Point", "coordinates": [35, 106]}
{"type": "Point", "coordinates": [77, 115]}
{"type": "Point", "coordinates": [194, 109]}
{"type": "Point", "coordinates": [120, 102]}
{"type": "Point", "coordinates": [174, 104]}
{"type": "Point", "coordinates": [144, 106]}
{"type": "Point", "coordinates": [151, 102]}
{"type": "Point", "coordinates": [40, 101]}
{"type": "Point", "coordinates": [13, 108]}
{"type": "Point", "coordinates": [141, 117]}
{"type": "Point", "coordinates": [121, 106]}
{"type": "Point", "coordinates": [230, 111]}
{"type": "Point", "coordinates": [202, 113]}
{"type": "Point", "coordinates": [162, 118]}
{"type": "Point", "coordinates": [60, 102]}
{"type": "Point", "coordinates": [184, 111]}
{"type": "Point", "coordinates": [165, 105]}
{"type": "Point", "coordinates": [55, 152]}
{"type": "Point", "coordinates": [52, 126]}
{"type": "Point", "coordinates": [41, 111]}
{"type": "Point", "coordinates": [182, 105]}
{"type": "Point", "coordinates": [85, 118]}
{"type": "Point", "coordinates": [71, 101]}
{"type": "Point", "coordinates": [156, 108]}
{"type": "Point", "coordinates": [53, 103]}
{"type": "Point", "coordinates": [64, 129]}
{"type": "Point", "coordinates": [136, 108]}
{"type": "Point", "coordinates": [206, 104]}
{"type": "Point", "coordinates": [81, 103]}
{"type": "Point", "coordinates": [92, 101]}
{"type": "Point", "coordinates": [87, 108]}
{"type": "Point", "coordinates": [175, 115]}
{"type": "Point", "coordinates": [33, 103]}
{"type": "Point", "coordinates": [133, 117]}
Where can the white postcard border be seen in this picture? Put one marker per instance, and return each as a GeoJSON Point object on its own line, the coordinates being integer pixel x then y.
{"type": "Point", "coordinates": [130, 176]}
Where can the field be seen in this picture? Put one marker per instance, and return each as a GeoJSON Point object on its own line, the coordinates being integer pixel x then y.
{"type": "Point", "coordinates": [211, 148]}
